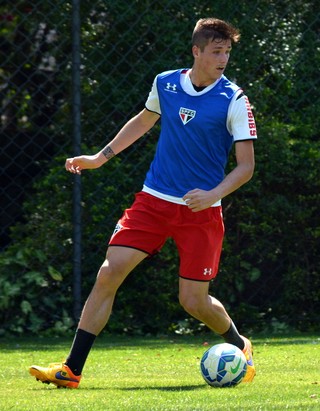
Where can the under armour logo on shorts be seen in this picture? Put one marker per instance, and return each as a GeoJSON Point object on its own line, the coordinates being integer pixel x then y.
{"type": "Point", "coordinates": [207, 271]}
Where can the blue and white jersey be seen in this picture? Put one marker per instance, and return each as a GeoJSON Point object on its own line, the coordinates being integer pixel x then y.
{"type": "Point", "coordinates": [197, 133]}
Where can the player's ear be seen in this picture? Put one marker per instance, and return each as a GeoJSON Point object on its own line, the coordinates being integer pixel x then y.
{"type": "Point", "coordinates": [195, 51]}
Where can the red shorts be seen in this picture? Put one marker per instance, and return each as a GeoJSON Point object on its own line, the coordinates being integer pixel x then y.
{"type": "Point", "coordinates": [151, 221]}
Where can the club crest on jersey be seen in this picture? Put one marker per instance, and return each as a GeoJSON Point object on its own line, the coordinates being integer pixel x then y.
{"type": "Point", "coordinates": [186, 115]}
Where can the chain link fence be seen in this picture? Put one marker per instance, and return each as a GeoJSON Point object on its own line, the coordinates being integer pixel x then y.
{"type": "Point", "coordinates": [72, 74]}
{"type": "Point", "coordinates": [35, 98]}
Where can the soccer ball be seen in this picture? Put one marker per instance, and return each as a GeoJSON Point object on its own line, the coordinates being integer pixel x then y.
{"type": "Point", "coordinates": [223, 365]}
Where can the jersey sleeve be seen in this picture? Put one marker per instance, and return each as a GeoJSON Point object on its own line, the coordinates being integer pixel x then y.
{"type": "Point", "coordinates": [152, 103]}
{"type": "Point", "coordinates": [241, 123]}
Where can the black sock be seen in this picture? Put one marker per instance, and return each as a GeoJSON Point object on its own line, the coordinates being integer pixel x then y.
{"type": "Point", "coordinates": [232, 336]}
{"type": "Point", "coordinates": [79, 352]}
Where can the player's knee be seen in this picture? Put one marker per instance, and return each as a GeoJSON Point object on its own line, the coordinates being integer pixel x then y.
{"type": "Point", "coordinates": [109, 276]}
{"type": "Point", "coordinates": [191, 304]}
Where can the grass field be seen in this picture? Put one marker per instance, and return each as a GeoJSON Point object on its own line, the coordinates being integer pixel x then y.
{"type": "Point", "coordinates": [162, 374]}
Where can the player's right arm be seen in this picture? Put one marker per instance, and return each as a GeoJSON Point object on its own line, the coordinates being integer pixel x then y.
{"type": "Point", "coordinates": [130, 132]}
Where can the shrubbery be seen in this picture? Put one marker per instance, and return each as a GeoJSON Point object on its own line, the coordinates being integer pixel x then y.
{"type": "Point", "coordinates": [268, 274]}
{"type": "Point", "coordinates": [269, 277]}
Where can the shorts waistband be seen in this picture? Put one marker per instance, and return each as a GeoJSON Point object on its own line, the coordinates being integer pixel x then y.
{"type": "Point", "coordinates": [171, 199]}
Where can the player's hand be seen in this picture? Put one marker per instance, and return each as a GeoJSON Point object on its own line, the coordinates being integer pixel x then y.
{"type": "Point", "coordinates": [198, 200]}
{"type": "Point", "coordinates": [76, 164]}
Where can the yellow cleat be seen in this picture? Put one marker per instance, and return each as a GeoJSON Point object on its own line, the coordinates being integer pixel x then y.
{"type": "Point", "coordinates": [58, 374]}
{"type": "Point", "coordinates": [248, 352]}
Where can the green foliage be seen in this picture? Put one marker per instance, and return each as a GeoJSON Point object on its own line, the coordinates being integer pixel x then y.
{"type": "Point", "coordinates": [270, 259]}
{"type": "Point", "coordinates": [46, 238]}
{"type": "Point", "coordinates": [269, 274]}
{"type": "Point", "coordinates": [33, 288]}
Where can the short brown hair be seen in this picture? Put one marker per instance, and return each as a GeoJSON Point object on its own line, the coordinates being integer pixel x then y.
{"type": "Point", "coordinates": [213, 29]}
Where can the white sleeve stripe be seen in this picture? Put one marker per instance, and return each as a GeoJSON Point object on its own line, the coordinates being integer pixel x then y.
{"type": "Point", "coordinates": [152, 103]}
{"type": "Point", "coordinates": [240, 120]}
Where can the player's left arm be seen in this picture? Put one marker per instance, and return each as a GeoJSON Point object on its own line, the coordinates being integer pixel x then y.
{"type": "Point", "coordinates": [198, 200]}
{"type": "Point", "coordinates": [242, 126]}
{"type": "Point", "coordinates": [243, 171]}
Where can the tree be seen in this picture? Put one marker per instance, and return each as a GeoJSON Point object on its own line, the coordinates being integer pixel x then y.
{"type": "Point", "coordinates": [270, 251]}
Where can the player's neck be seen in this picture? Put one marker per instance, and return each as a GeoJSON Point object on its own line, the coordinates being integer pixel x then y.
{"type": "Point", "coordinates": [200, 81]}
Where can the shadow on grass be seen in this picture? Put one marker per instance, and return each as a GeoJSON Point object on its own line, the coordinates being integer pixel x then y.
{"type": "Point", "coordinates": [168, 388]}
{"type": "Point", "coordinates": [177, 388]}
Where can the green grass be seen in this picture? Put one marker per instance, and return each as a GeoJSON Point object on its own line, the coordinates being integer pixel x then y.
{"type": "Point", "coordinates": [161, 374]}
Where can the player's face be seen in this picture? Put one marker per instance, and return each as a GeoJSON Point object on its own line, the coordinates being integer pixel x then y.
{"type": "Point", "coordinates": [212, 61]}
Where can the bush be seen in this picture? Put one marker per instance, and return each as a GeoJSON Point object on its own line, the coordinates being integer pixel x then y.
{"type": "Point", "coordinates": [269, 275]}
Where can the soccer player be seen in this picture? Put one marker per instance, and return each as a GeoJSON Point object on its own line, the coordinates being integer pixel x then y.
{"type": "Point", "coordinates": [202, 114]}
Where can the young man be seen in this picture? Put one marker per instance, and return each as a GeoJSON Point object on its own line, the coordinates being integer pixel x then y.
{"type": "Point", "coordinates": [202, 114]}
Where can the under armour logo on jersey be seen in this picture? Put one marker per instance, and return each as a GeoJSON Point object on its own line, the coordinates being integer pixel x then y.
{"type": "Point", "coordinates": [186, 115]}
{"type": "Point", "coordinates": [171, 87]}
{"type": "Point", "coordinates": [207, 271]}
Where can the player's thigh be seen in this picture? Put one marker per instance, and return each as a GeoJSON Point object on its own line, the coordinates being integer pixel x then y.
{"type": "Point", "coordinates": [193, 292]}
{"type": "Point", "coordinates": [119, 262]}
